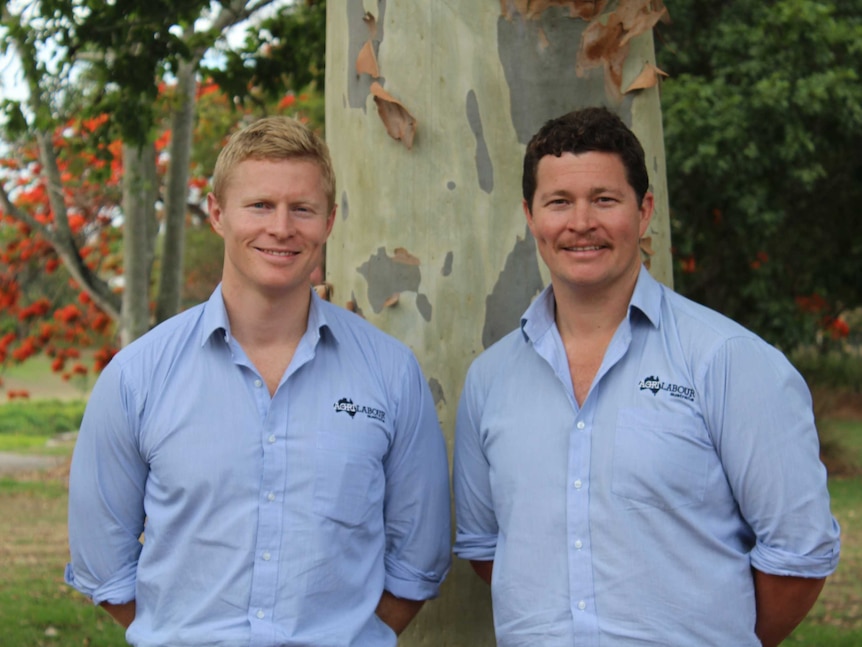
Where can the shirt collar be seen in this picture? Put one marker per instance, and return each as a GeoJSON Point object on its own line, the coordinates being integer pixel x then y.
{"type": "Point", "coordinates": [647, 297]}
{"type": "Point", "coordinates": [539, 317]}
{"type": "Point", "coordinates": [215, 318]}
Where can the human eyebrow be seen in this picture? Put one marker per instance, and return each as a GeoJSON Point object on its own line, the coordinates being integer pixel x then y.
{"type": "Point", "coordinates": [606, 191]}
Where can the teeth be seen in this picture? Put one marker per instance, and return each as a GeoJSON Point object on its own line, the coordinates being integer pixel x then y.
{"type": "Point", "coordinates": [584, 249]}
{"type": "Point", "coordinates": [278, 253]}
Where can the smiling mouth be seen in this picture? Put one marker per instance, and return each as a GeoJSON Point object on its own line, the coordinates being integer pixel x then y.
{"type": "Point", "coordinates": [277, 252]}
{"type": "Point", "coordinates": [585, 248]}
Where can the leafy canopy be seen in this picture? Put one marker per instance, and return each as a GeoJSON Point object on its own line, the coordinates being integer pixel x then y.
{"type": "Point", "coordinates": [763, 128]}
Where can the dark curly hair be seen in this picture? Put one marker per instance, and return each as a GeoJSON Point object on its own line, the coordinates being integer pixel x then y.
{"type": "Point", "coordinates": [582, 131]}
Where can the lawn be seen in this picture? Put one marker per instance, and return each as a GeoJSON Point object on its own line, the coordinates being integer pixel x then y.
{"type": "Point", "coordinates": [836, 619]}
{"type": "Point", "coordinates": [36, 607]}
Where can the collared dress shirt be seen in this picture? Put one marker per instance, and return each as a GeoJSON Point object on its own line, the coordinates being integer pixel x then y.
{"type": "Point", "coordinates": [635, 519]}
{"type": "Point", "coordinates": [267, 520]}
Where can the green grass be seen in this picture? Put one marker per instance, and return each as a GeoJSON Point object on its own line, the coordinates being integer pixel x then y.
{"type": "Point", "coordinates": [36, 377]}
{"type": "Point", "coordinates": [26, 426]}
{"type": "Point", "coordinates": [40, 488]}
{"type": "Point", "coordinates": [40, 418]}
{"type": "Point", "coordinates": [836, 618]}
{"type": "Point", "coordinates": [36, 607]}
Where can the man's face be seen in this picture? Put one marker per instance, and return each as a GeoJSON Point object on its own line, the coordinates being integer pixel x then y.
{"type": "Point", "coordinates": [274, 218]}
{"type": "Point", "coordinates": [587, 222]}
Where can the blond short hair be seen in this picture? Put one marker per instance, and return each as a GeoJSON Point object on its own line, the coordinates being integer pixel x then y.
{"type": "Point", "coordinates": [274, 138]}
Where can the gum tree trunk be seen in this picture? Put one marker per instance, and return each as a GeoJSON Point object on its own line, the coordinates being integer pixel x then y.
{"type": "Point", "coordinates": [429, 106]}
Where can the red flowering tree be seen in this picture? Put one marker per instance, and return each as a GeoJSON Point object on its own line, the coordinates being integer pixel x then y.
{"type": "Point", "coordinates": [43, 307]}
{"type": "Point", "coordinates": [84, 197]}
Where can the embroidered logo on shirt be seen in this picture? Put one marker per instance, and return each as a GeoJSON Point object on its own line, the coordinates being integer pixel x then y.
{"type": "Point", "coordinates": [347, 406]}
{"type": "Point", "coordinates": [654, 384]}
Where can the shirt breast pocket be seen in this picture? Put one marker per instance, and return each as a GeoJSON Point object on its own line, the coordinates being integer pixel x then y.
{"type": "Point", "coordinates": [661, 459]}
{"type": "Point", "coordinates": [348, 481]}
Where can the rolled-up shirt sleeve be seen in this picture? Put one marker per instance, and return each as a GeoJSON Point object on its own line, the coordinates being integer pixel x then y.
{"type": "Point", "coordinates": [764, 429]}
{"type": "Point", "coordinates": [417, 507]}
{"type": "Point", "coordinates": [475, 522]}
{"type": "Point", "coordinates": [106, 494]}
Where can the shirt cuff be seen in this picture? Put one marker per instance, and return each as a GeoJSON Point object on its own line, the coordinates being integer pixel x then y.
{"type": "Point", "coordinates": [779, 562]}
{"type": "Point", "coordinates": [404, 581]}
{"type": "Point", "coordinates": [119, 590]}
{"type": "Point", "coordinates": [475, 547]}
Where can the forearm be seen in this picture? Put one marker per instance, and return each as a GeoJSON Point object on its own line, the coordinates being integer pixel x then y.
{"type": "Point", "coordinates": [397, 612]}
{"type": "Point", "coordinates": [124, 614]}
{"type": "Point", "coordinates": [782, 603]}
{"type": "Point", "coordinates": [483, 569]}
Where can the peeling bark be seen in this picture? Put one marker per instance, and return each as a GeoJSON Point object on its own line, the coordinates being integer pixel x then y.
{"type": "Point", "coordinates": [366, 61]}
{"type": "Point", "coordinates": [607, 44]}
{"type": "Point", "coordinates": [532, 9]}
{"type": "Point", "coordinates": [648, 78]}
{"type": "Point", "coordinates": [399, 123]}
{"type": "Point", "coordinates": [401, 255]}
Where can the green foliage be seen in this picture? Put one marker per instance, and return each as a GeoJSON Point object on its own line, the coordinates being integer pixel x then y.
{"type": "Point", "coordinates": [287, 50]}
{"type": "Point", "coordinates": [40, 417]}
{"type": "Point", "coordinates": [763, 126]}
{"type": "Point", "coordinates": [128, 46]}
{"type": "Point", "coordinates": [835, 370]}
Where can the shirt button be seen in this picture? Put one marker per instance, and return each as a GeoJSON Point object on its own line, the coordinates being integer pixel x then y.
{"type": "Point", "coordinates": [260, 614]}
{"type": "Point", "coordinates": [258, 383]}
{"type": "Point", "coordinates": [267, 556]}
{"type": "Point", "coordinates": [581, 424]}
{"type": "Point", "coordinates": [270, 496]}
{"type": "Point", "coordinates": [582, 605]}
{"type": "Point", "coordinates": [579, 544]}
{"type": "Point", "coordinates": [271, 439]}
{"type": "Point", "coordinates": [578, 484]}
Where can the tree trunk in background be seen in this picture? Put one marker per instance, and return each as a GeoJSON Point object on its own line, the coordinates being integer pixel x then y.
{"type": "Point", "coordinates": [139, 231]}
{"type": "Point", "coordinates": [182, 126]}
{"type": "Point", "coordinates": [431, 244]}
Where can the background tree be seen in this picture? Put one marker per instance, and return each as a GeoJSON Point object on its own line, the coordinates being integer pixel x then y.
{"type": "Point", "coordinates": [429, 106]}
{"type": "Point", "coordinates": [86, 227]}
{"type": "Point", "coordinates": [763, 125]}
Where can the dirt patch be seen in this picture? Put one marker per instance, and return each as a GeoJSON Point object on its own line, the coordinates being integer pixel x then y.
{"type": "Point", "coordinates": [837, 405]}
{"type": "Point", "coordinates": [23, 463]}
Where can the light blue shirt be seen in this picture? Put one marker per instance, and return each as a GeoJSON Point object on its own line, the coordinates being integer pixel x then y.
{"type": "Point", "coordinates": [269, 521]}
{"type": "Point", "coordinates": [636, 518]}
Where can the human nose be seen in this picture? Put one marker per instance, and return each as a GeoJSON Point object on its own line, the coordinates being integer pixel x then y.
{"type": "Point", "coordinates": [281, 225]}
{"type": "Point", "coordinates": [580, 217]}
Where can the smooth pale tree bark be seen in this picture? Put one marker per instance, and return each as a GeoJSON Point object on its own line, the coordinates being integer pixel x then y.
{"type": "Point", "coordinates": [140, 191]}
{"type": "Point", "coordinates": [429, 106]}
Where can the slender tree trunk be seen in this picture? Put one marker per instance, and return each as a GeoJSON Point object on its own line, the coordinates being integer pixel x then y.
{"type": "Point", "coordinates": [429, 106]}
{"type": "Point", "coordinates": [182, 125]}
{"type": "Point", "coordinates": [140, 191]}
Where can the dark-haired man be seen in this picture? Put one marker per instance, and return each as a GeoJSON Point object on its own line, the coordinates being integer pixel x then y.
{"type": "Point", "coordinates": [632, 468]}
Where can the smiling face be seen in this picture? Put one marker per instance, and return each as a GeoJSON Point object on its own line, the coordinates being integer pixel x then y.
{"type": "Point", "coordinates": [587, 223]}
{"type": "Point", "coordinates": [274, 217]}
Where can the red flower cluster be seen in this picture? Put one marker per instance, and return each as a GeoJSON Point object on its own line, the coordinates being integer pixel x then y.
{"type": "Point", "coordinates": [836, 327]}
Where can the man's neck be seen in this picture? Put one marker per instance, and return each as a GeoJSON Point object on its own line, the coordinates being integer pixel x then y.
{"type": "Point", "coordinates": [587, 323]}
{"type": "Point", "coordinates": [260, 320]}
{"type": "Point", "coordinates": [584, 314]}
